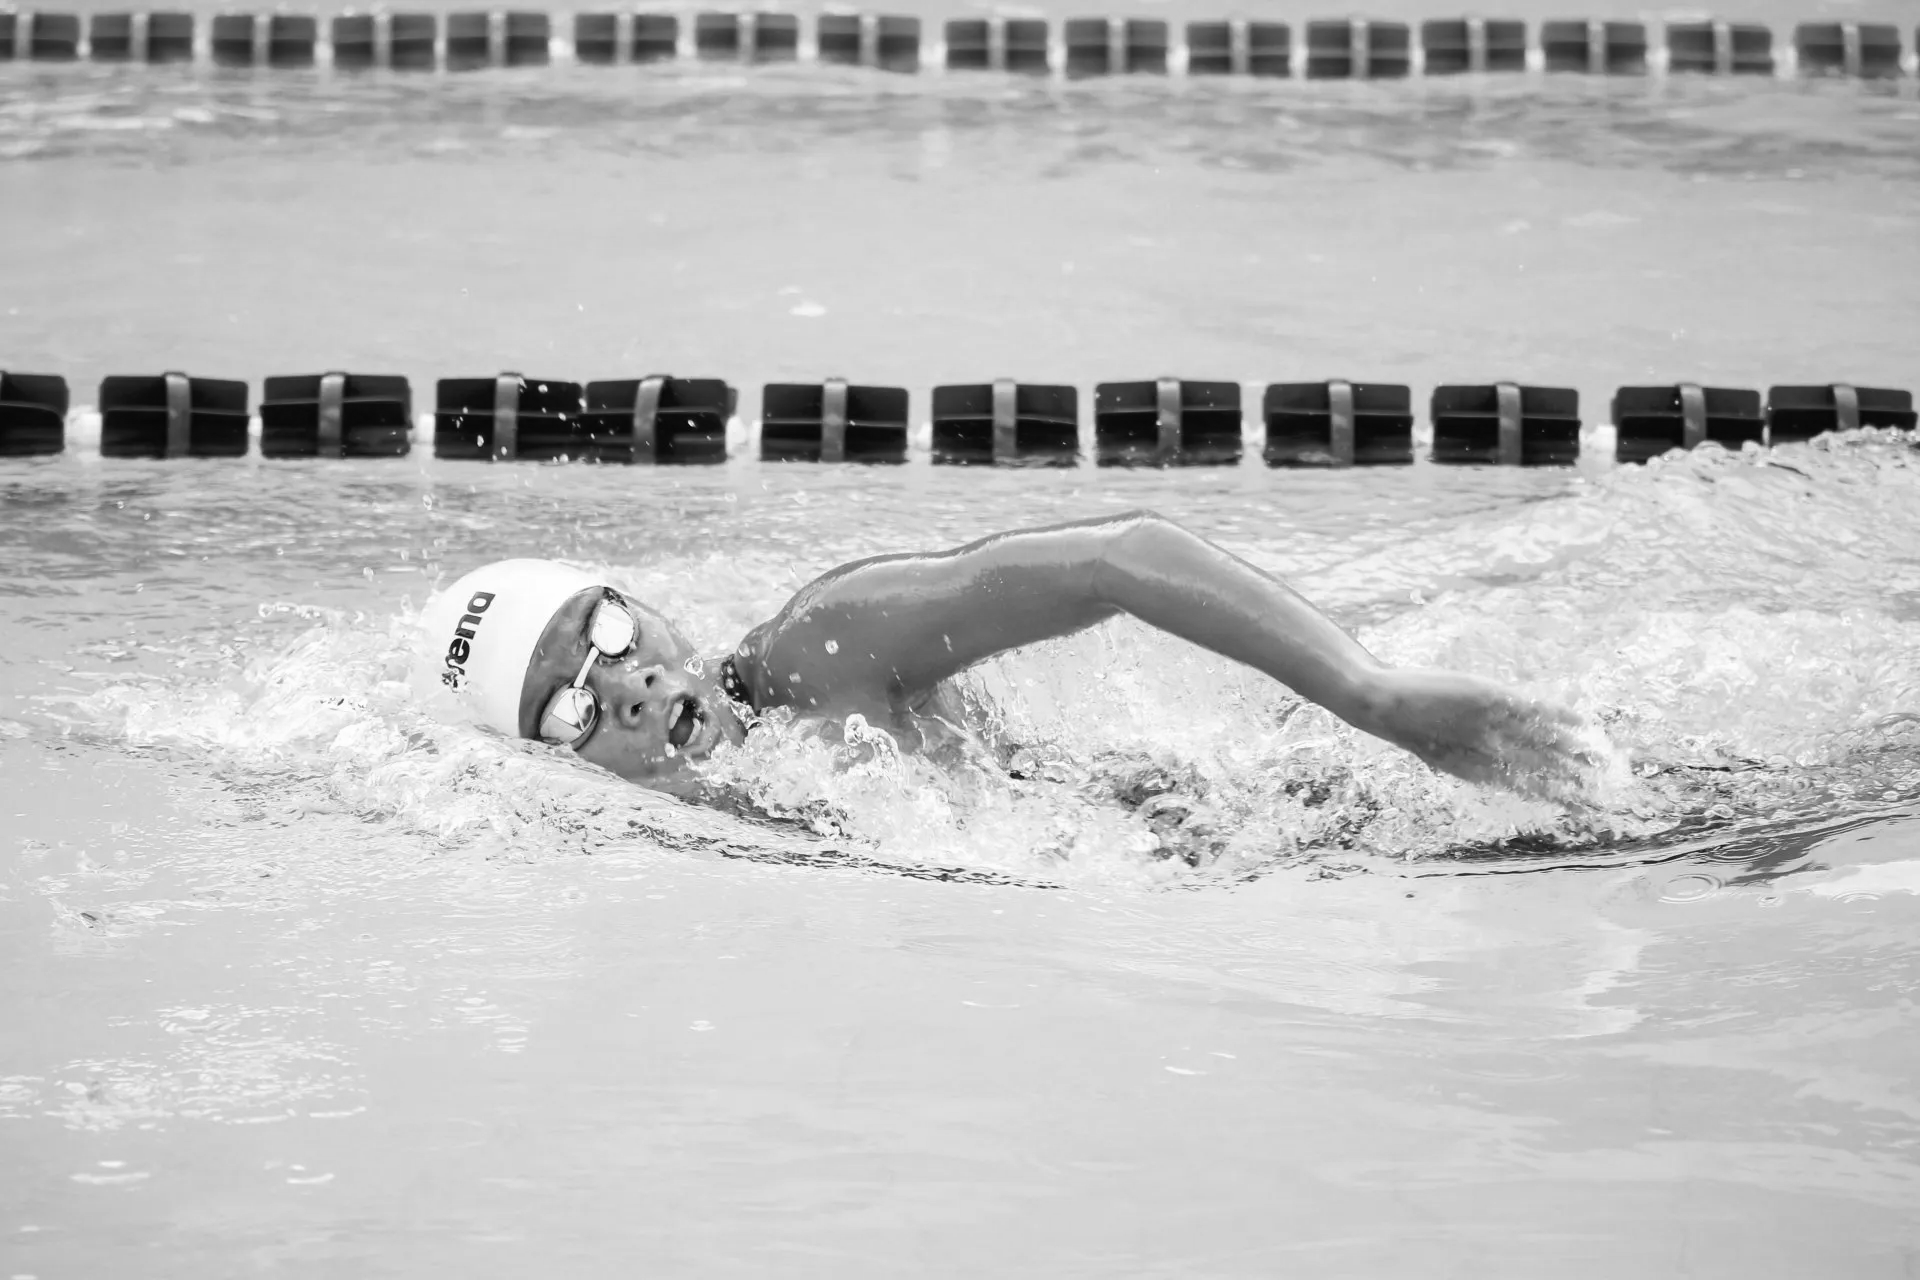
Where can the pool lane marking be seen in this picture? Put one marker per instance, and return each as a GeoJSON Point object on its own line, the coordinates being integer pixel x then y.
{"type": "Point", "coordinates": [1340, 421]}
{"type": "Point", "coordinates": [644, 437]}
{"type": "Point", "coordinates": [1507, 396]}
{"type": "Point", "coordinates": [833, 420]}
{"type": "Point", "coordinates": [330, 440]}
{"type": "Point", "coordinates": [1693, 414]}
{"type": "Point", "coordinates": [1239, 47]}
{"type": "Point", "coordinates": [1846, 407]}
{"type": "Point", "coordinates": [622, 38]}
{"type": "Point", "coordinates": [1167, 419]}
{"type": "Point", "coordinates": [179, 415]}
{"type": "Point", "coordinates": [1006, 420]}
{"type": "Point", "coordinates": [506, 416]}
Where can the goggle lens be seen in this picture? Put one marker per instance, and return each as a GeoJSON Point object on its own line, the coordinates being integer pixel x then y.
{"type": "Point", "coordinates": [570, 716]}
{"type": "Point", "coordinates": [612, 633]}
{"type": "Point", "coordinates": [613, 630]}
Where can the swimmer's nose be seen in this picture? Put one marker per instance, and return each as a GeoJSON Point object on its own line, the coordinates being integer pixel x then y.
{"type": "Point", "coordinates": [639, 692]}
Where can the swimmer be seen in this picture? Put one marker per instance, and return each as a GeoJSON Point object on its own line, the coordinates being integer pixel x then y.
{"type": "Point", "coordinates": [536, 649]}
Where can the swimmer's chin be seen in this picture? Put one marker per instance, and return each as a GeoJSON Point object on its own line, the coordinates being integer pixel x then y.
{"type": "Point", "coordinates": [680, 776]}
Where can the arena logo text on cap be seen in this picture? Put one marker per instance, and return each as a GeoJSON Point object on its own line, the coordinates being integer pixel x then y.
{"type": "Point", "coordinates": [460, 649]}
{"type": "Point", "coordinates": [478, 637]}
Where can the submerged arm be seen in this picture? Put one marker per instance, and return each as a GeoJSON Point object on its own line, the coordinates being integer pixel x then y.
{"type": "Point", "coordinates": [872, 634]}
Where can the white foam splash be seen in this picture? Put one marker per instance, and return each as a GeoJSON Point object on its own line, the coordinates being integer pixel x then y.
{"type": "Point", "coordinates": [1747, 624]}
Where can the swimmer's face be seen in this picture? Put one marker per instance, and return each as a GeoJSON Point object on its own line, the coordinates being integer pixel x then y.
{"type": "Point", "coordinates": [658, 708]}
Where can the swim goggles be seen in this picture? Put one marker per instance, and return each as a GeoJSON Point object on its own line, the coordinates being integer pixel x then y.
{"type": "Point", "coordinates": [573, 710]}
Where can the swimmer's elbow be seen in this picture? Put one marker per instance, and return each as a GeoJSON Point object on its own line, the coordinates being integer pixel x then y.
{"type": "Point", "coordinates": [1136, 540]}
{"type": "Point", "coordinates": [1141, 518]}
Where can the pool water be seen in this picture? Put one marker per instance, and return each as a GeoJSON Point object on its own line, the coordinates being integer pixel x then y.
{"type": "Point", "coordinates": [1188, 979]}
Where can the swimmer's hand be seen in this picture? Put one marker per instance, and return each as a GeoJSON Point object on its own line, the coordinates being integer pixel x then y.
{"type": "Point", "coordinates": [1483, 732]}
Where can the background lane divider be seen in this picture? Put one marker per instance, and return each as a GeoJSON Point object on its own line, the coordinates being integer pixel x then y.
{"type": "Point", "coordinates": [1337, 423]}
{"type": "Point", "coordinates": [335, 415]}
{"type": "Point", "coordinates": [1854, 49]}
{"type": "Point", "coordinates": [656, 419]}
{"type": "Point", "coordinates": [173, 416]}
{"type": "Point", "coordinates": [1720, 48]}
{"type": "Point", "coordinates": [386, 41]}
{"type": "Point", "coordinates": [1472, 46]}
{"type": "Point", "coordinates": [1159, 422]}
{"type": "Point", "coordinates": [1006, 422]}
{"type": "Point", "coordinates": [999, 43]}
{"type": "Point", "coordinates": [1594, 47]}
{"type": "Point", "coordinates": [230, 40]}
{"type": "Point", "coordinates": [1238, 48]}
{"type": "Point", "coordinates": [1167, 422]}
{"type": "Point", "coordinates": [1648, 421]}
{"type": "Point", "coordinates": [833, 421]}
{"type": "Point", "coordinates": [33, 414]}
{"type": "Point", "coordinates": [1506, 424]}
{"type": "Point", "coordinates": [1115, 46]}
{"type": "Point", "coordinates": [1330, 48]}
{"type": "Point", "coordinates": [292, 39]}
{"type": "Point", "coordinates": [1800, 412]}
{"type": "Point", "coordinates": [890, 42]}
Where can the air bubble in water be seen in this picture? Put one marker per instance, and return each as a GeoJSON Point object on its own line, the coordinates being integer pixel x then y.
{"type": "Point", "coordinates": [1691, 887]}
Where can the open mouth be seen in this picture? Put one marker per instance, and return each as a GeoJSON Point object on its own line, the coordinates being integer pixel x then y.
{"type": "Point", "coordinates": [684, 720]}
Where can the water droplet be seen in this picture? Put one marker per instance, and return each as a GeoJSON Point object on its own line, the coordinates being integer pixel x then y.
{"type": "Point", "coordinates": [1690, 887]}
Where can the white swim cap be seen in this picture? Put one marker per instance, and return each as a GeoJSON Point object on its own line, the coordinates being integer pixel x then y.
{"type": "Point", "coordinates": [479, 637]}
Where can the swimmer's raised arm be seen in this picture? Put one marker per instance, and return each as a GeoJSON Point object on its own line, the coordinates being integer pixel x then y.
{"type": "Point", "coordinates": [892, 626]}
{"type": "Point", "coordinates": [872, 635]}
